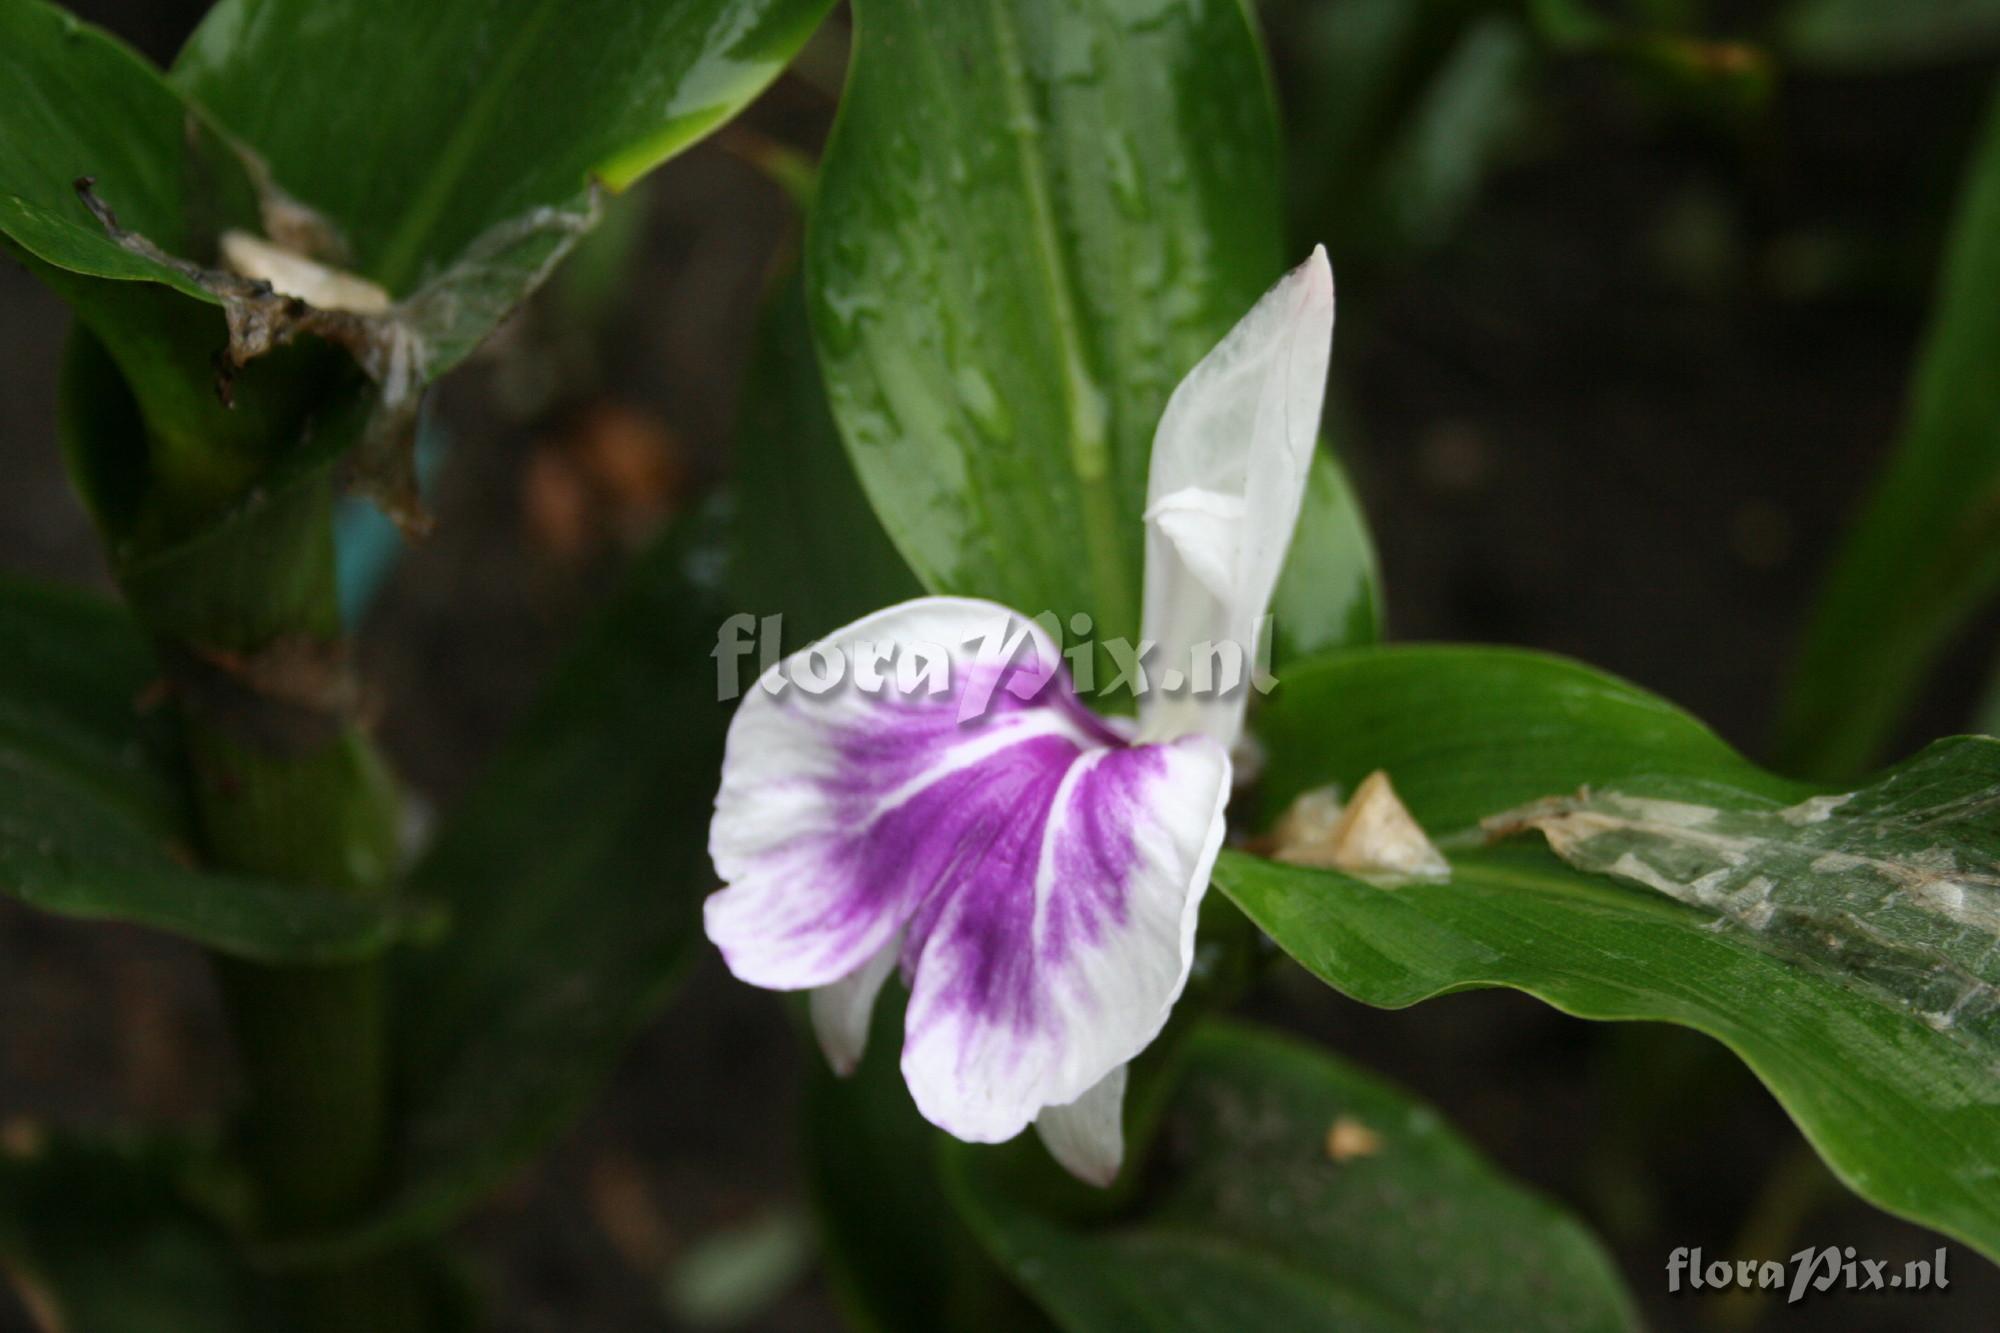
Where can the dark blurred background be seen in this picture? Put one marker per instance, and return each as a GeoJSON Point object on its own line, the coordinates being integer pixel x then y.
{"type": "Point", "coordinates": [1613, 393]}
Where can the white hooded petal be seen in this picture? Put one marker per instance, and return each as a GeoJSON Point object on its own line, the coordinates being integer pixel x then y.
{"type": "Point", "coordinates": [1229, 467]}
{"type": "Point", "coordinates": [1087, 1136]}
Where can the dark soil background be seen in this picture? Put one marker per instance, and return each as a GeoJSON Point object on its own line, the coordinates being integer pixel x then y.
{"type": "Point", "coordinates": [1624, 414]}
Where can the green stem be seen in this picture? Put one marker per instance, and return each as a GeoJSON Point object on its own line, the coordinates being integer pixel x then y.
{"type": "Point", "coordinates": [220, 525]}
{"type": "Point", "coordinates": [288, 787]}
{"type": "Point", "coordinates": [313, 1040]}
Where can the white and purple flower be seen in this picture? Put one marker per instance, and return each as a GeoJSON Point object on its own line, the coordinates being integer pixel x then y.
{"type": "Point", "coordinates": [1034, 871]}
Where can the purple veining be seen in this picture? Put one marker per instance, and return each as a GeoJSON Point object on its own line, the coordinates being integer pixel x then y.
{"type": "Point", "coordinates": [1031, 870]}
{"type": "Point", "coordinates": [955, 860]}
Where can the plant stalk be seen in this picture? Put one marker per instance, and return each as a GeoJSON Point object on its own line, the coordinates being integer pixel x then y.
{"type": "Point", "coordinates": [287, 786]}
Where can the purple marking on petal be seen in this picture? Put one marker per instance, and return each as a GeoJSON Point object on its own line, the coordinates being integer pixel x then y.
{"type": "Point", "coordinates": [886, 851]}
{"type": "Point", "coordinates": [998, 956]}
{"type": "Point", "coordinates": [1093, 852]}
{"type": "Point", "coordinates": [1001, 808]}
{"type": "Point", "coordinates": [1039, 867]}
{"type": "Point", "coordinates": [977, 833]}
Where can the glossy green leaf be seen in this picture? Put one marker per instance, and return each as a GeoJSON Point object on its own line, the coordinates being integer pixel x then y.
{"type": "Point", "coordinates": [92, 819]}
{"type": "Point", "coordinates": [1033, 219]}
{"type": "Point", "coordinates": [574, 871]}
{"type": "Point", "coordinates": [75, 102]}
{"type": "Point", "coordinates": [1925, 556]}
{"type": "Point", "coordinates": [98, 1237]}
{"type": "Point", "coordinates": [452, 150]}
{"type": "Point", "coordinates": [1249, 1221]}
{"type": "Point", "coordinates": [453, 145]}
{"type": "Point", "coordinates": [1467, 732]}
{"type": "Point", "coordinates": [1881, 1045]}
{"type": "Point", "coordinates": [803, 542]}
{"type": "Point", "coordinates": [1329, 593]}
{"type": "Point", "coordinates": [1869, 34]}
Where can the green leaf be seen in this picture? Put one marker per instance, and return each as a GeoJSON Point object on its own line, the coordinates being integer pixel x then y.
{"type": "Point", "coordinates": [803, 541]}
{"type": "Point", "coordinates": [1925, 555]}
{"type": "Point", "coordinates": [1467, 732]}
{"type": "Point", "coordinates": [71, 686]}
{"type": "Point", "coordinates": [1250, 1222]}
{"type": "Point", "coordinates": [454, 143]}
{"type": "Point", "coordinates": [1859, 1039]}
{"type": "Point", "coordinates": [1329, 594]}
{"type": "Point", "coordinates": [1032, 220]}
{"type": "Point", "coordinates": [889, 1239]}
{"type": "Point", "coordinates": [63, 853]}
{"type": "Point", "coordinates": [76, 102]}
{"type": "Point", "coordinates": [574, 871]}
{"type": "Point", "coordinates": [97, 1237]}
{"type": "Point", "coordinates": [1871, 35]}
{"type": "Point", "coordinates": [452, 150]}
{"type": "Point", "coordinates": [93, 823]}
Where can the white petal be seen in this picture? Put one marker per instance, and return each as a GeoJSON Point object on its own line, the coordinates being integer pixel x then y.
{"type": "Point", "coordinates": [1043, 874]}
{"type": "Point", "coordinates": [1032, 984]}
{"type": "Point", "coordinates": [841, 1011]}
{"type": "Point", "coordinates": [1087, 1136]}
{"type": "Point", "coordinates": [1241, 425]}
{"type": "Point", "coordinates": [807, 834]}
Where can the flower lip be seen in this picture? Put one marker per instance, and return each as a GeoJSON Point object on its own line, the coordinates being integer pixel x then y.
{"type": "Point", "coordinates": [1035, 876]}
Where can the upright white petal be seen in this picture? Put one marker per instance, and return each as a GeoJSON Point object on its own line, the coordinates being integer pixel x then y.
{"type": "Point", "coordinates": [1087, 1136]}
{"type": "Point", "coordinates": [1229, 469]}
